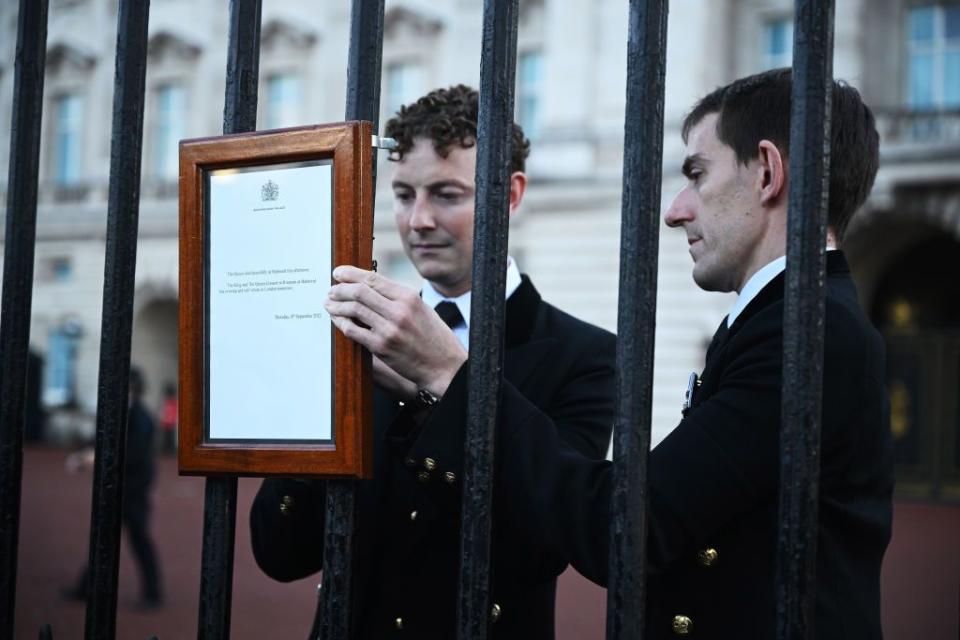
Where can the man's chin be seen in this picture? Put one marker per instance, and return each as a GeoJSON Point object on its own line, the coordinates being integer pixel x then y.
{"type": "Point", "coordinates": [431, 270]}
{"type": "Point", "coordinates": [708, 280]}
{"type": "Point", "coordinates": [443, 280]}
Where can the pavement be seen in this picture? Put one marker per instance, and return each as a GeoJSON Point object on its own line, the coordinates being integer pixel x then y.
{"type": "Point", "coordinates": [921, 599]}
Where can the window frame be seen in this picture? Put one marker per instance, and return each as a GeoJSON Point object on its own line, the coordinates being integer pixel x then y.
{"type": "Point", "coordinates": [939, 48]}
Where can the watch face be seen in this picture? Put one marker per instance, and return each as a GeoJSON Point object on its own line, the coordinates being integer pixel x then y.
{"type": "Point", "coordinates": [426, 398]}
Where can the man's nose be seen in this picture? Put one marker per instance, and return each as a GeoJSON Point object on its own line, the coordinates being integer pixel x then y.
{"type": "Point", "coordinates": [680, 210]}
{"type": "Point", "coordinates": [421, 216]}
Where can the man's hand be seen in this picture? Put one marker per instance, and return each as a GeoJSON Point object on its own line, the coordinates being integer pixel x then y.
{"type": "Point", "coordinates": [394, 324]}
{"type": "Point", "coordinates": [392, 381]}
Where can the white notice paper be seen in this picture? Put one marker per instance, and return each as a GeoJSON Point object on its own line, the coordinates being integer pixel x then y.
{"type": "Point", "coordinates": [270, 340]}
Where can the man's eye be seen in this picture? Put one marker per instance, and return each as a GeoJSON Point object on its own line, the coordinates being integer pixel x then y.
{"type": "Point", "coordinates": [403, 196]}
{"type": "Point", "coordinates": [449, 196]}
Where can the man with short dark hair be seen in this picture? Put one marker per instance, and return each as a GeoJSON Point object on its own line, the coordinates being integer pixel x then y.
{"type": "Point", "coordinates": [407, 548]}
{"type": "Point", "coordinates": [714, 481]}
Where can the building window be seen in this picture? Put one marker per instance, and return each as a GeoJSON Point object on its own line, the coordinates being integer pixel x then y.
{"type": "Point", "coordinates": [54, 269]}
{"type": "Point", "coordinates": [61, 356]}
{"type": "Point", "coordinates": [777, 43]}
{"type": "Point", "coordinates": [283, 101]}
{"type": "Point", "coordinates": [405, 83]}
{"type": "Point", "coordinates": [529, 83]}
{"type": "Point", "coordinates": [933, 57]}
{"type": "Point", "coordinates": [68, 123]}
{"type": "Point", "coordinates": [169, 130]}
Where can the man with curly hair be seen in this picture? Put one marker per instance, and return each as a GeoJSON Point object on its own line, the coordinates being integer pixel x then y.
{"type": "Point", "coordinates": [408, 544]}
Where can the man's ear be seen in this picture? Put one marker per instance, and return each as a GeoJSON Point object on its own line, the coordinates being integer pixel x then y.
{"type": "Point", "coordinates": [773, 179]}
{"type": "Point", "coordinates": [518, 186]}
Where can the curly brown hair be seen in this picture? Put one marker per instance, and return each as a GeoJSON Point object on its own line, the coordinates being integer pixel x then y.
{"type": "Point", "coordinates": [448, 117]}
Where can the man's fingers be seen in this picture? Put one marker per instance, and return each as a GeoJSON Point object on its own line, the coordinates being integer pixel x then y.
{"type": "Point", "coordinates": [354, 310]}
{"type": "Point", "coordinates": [361, 335]}
{"type": "Point", "coordinates": [382, 285]}
{"type": "Point", "coordinates": [362, 294]}
{"type": "Point", "coordinates": [349, 273]}
{"type": "Point", "coordinates": [380, 342]}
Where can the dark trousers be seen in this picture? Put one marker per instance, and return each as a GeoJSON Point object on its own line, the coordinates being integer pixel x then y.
{"type": "Point", "coordinates": [136, 516]}
{"type": "Point", "coordinates": [169, 441]}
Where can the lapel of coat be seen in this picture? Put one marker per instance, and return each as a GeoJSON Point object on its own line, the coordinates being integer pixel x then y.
{"type": "Point", "coordinates": [719, 338]}
{"type": "Point", "coordinates": [836, 264]}
{"type": "Point", "coordinates": [525, 348]}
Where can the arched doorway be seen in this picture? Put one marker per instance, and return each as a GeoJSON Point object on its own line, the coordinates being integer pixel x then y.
{"type": "Point", "coordinates": [154, 347]}
{"type": "Point", "coordinates": [916, 305]}
{"type": "Point", "coordinates": [904, 261]}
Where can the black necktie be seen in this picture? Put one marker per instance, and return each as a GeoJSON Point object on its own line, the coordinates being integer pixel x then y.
{"type": "Point", "coordinates": [718, 338]}
{"type": "Point", "coordinates": [449, 313]}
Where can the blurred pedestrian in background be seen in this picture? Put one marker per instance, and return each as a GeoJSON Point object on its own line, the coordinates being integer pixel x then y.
{"type": "Point", "coordinates": [138, 478]}
{"type": "Point", "coordinates": [35, 416]}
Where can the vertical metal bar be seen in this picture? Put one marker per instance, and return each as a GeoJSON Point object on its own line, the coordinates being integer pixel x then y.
{"type": "Point", "coordinates": [363, 103]}
{"type": "Point", "coordinates": [243, 67]}
{"type": "Point", "coordinates": [220, 495]}
{"type": "Point", "coordinates": [123, 210]}
{"type": "Point", "coordinates": [364, 61]}
{"type": "Point", "coordinates": [498, 61]}
{"type": "Point", "coordinates": [18, 253]}
{"type": "Point", "coordinates": [803, 317]}
{"type": "Point", "coordinates": [216, 562]}
{"type": "Point", "coordinates": [636, 320]}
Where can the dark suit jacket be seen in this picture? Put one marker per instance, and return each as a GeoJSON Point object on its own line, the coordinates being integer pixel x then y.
{"type": "Point", "coordinates": [714, 483]}
{"type": "Point", "coordinates": [138, 470]}
{"type": "Point", "coordinates": [407, 544]}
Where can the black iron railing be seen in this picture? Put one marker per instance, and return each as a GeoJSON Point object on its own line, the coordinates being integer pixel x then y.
{"type": "Point", "coordinates": [803, 317]}
{"type": "Point", "coordinates": [803, 348]}
{"type": "Point", "coordinates": [19, 243]}
{"type": "Point", "coordinates": [363, 103]}
{"type": "Point", "coordinates": [639, 234]}
{"type": "Point", "coordinates": [123, 208]}
{"type": "Point", "coordinates": [498, 63]}
{"type": "Point", "coordinates": [220, 494]}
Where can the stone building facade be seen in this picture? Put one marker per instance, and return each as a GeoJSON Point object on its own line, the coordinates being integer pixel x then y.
{"type": "Point", "coordinates": [904, 55]}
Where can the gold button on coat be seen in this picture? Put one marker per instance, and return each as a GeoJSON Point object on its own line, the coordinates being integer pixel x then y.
{"type": "Point", "coordinates": [707, 557]}
{"type": "Point", "coordinates": [429, 464]}
{"type": "Point", "coordinates": [398, 623]}
{"type": "Point", "coordinates": [423, 476]}
{"type": "Point", "coordinates": [413, 515]}
{"type": "Point", "coordinates": [450, 477]}
{"type": "Point", "coordinates": [286, 503]}
{"type": "Point", "coordinates": [682, 625]}
{"type": "Point", "coordinates": [495, 612]}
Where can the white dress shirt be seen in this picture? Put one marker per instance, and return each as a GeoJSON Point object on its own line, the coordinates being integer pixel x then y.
{"type": "Point", "coordinates": [756, 283]}
{"type": "Point", "coordinates": [462, 330]}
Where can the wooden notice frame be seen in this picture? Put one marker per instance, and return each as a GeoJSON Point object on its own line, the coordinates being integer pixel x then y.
{"type": "Point", "coordinates": [340, 154]}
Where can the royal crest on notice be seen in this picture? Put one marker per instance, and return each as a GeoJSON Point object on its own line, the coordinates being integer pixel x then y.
{"type": "Point", "coordinates": [269, 191]}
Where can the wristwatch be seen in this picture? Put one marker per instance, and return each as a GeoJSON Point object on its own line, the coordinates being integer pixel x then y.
{"type": "Point", "coordinates": [424, 399]}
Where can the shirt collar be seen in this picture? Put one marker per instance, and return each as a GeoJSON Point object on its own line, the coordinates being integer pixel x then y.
{"type": "Point", "coordinates": [756, 283]}
{"type": "Point", "coordinates": [432, 297]}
